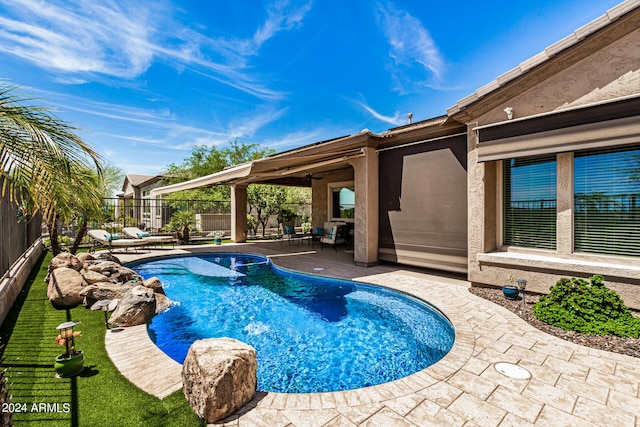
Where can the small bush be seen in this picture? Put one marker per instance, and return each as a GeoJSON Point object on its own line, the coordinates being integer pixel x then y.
{"type": "Point", "coordinates": [63, 241]}
{"type": "Point", "coordinates": [590, 308]}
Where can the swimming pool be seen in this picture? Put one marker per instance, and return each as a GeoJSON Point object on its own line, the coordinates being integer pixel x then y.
{"type": "Point", "coordinates": [312, 334]}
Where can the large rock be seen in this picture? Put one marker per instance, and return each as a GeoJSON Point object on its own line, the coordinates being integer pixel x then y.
{"type": "Point", "coordinates": [65, 259]}
{"type": "Point", "coordinates": [106, 256]}
{"type": "Point", "coordinates": [102, 267]}
{"type": "Point", "coordinates": [136, 307]}
{"type": "Point", "coordinates": [85, 256]}
{"type": "Point", "coordinates": [114, 271]}
{"type": "Point", "coordinates": [155, 284]}
{"type": "Point", "coordinates": [93, 276]}
{"type": "Point", "coordinates": [162, 302]}
{"type": "Point", "coordinates": [219, 377]}
{"type": "Point", "coordinates": [104, 290]}
{"type": "Point", "coordinates": [65, 286]}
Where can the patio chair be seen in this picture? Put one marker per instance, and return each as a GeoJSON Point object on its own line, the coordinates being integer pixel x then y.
{"type": "Point", "coordinates": [290, 234]}
{"type": "Point", "coordinates": [335, 234]}
{"type": "Point", "coordinates": [104, 239]}
{"type": "Point", "coordinates": [136, 233]}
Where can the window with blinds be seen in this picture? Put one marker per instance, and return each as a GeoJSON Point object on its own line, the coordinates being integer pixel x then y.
{"type": "Point", "coordinates": [607, 201]}
{"type": "Point", "coordinates": [530, 202]}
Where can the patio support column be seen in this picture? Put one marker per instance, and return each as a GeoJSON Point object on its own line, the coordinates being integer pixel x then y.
{"type": "Point", "coordinates": [365, 238]}
{"type": "Point", "coordinates": [239, 213]}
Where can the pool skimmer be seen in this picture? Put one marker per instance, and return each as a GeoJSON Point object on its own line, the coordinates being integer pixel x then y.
{"type": "Point", "coordinates": [512, 371]}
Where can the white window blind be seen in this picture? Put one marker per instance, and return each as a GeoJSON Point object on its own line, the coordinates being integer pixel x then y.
{"type": "Point", "coordinates": [530, 202]}
{"type": "Point", "coordinates": [607, 201]}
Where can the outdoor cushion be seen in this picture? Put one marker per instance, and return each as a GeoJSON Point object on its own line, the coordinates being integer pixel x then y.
{"type": "Point", "coordinates": [288, 229]}
{"type": "Point", "coordinates": [319, 231]}
{"type": "Point", "coordinates": [143, 234]}
{"type": "Point", "coordinates": [111, 236]}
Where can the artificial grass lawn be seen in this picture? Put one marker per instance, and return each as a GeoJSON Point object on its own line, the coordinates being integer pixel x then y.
{"type": "Point", "coordinates": [99, 395]}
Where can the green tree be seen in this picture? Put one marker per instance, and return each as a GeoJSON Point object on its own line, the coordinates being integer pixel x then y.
{"type": "Point", "coordinates": [111, 180]}
{"type": "Point", "coordinates": [46, 163]}
{"type": "Point", "coordinates": [207, 160]}
{"type": "Point", "coordinates": [265, 200]}
{"type": "Point", "coordinates": [183, 223]}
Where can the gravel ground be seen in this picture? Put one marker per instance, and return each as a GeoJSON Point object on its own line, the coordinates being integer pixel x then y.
{"type": "Point", "coordinates": [628, 346]}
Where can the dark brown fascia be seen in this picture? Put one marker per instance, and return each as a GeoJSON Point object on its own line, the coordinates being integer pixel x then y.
{"type": "Point", "coordinates": [360, 140]}
{"type": "Point", "coordinates": [554, 63]}
{"type": "Point", "coordinates": [436, 129]}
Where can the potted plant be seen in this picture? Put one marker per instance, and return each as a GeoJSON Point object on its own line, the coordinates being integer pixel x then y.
{"type": "Point", "coordinates": [511, 290]}
{"type": "Point", "coordinates": [71, 362]}
{"type": "Point", "coordinates": [217, 237]}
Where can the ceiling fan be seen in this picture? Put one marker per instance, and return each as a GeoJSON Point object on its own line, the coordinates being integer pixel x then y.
{"type": "Point", "coordinates": [310, 177]}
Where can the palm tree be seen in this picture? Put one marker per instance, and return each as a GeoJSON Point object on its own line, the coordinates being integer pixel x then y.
{"type": "Point", "coordinates": [47, 165]}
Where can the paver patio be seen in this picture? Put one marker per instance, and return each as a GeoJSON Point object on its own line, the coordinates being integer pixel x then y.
{"type": "Point", "coordinates": [570, 385]}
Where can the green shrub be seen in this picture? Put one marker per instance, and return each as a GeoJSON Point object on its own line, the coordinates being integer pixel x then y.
{"type": "Point", "coordinates": [590, 308]}
{"type": "Point", "coordinates": [63, 241]}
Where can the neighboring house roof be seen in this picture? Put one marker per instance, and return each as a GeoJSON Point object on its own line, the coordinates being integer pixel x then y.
{"type": "Point", "coordinates": [555, 58]}
{"type": "Point", "coordinates": [136, 180]}
{"type": "Point", "coordinates": [132, 181]}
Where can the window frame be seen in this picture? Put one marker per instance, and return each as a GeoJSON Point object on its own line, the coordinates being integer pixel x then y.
{"type": "Point", "coordinates": [501, 200]}
{"type": "Point", "coordinates": [330, 187]}
{"type": "Point", "coordinates": [581, 245]}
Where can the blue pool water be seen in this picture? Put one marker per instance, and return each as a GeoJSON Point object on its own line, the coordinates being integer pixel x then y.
{"type": "Point", "coordinates": [312, 334]}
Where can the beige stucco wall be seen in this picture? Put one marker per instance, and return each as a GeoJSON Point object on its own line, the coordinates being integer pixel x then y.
{"type": "Point", "coordinates": [610, 73]}
{"type": "Point", "coordinates": [320, 193]}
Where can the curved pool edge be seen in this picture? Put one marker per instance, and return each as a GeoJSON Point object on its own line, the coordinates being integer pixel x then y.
{"type": "Point", "coordinates": [146, 366]}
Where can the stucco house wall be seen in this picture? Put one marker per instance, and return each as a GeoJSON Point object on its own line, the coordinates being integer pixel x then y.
{"type": "Point", "coordinates": [603, 76]}
{"type": "Point", "coordinates": [320, 190]}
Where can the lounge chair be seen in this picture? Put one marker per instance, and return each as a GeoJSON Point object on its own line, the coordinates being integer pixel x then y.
{"type": "Point", "coordinates": [104, 239]}
{"type": "Point", "coordinates": [136, 233]}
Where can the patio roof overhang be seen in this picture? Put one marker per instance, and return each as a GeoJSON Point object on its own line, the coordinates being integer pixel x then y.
{"type": "Point", "coordinates": [288, 168]}
{"type": "Point", "coordinates": [292, 167]}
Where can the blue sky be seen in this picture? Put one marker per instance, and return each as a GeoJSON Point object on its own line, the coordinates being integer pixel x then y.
{"type": "Point", "coordinates": [146, 80]}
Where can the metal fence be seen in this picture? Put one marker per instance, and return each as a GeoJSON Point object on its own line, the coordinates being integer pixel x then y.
{"type": "Point", "coordinates": [15, 236]}
{"type": "Point", "coordinates": [153, 215]}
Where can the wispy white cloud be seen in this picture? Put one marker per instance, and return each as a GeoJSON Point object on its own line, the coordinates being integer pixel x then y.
{"type": "Point", "coordinates": [395, 120]}
{"type": "Point", "coordinates": [281, 16]}
{"type": "Point", "coordinates": [415, 56]}
{"type": "Point", "coordinates": [79, 36]}
{"type": "Point", "coordinates": [162, 128]}
{"type": "Point", "coordinates": [119, 38]}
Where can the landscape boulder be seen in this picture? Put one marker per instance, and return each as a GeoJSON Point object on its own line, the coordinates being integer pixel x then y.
{"type": "Point", "coordinates": [65, 259]}
{"type": "Point", "coordinates": [65, 286]}
{"type": "Point", "coordinates": [136, 307]}
{"type": "Point", "coordinates": [162, 302]}
{"type": "Point", "coordinates": [114, 271]}
{"type": "Point", "coordinates": [219, 377]}
{"type": "Point", "coordinates": [155, 284]}
{"type": "Point", "coordinates": [93, 276]}
{"type": "Point", "coordinates": [106, 256]}
{"type": "Point", "coordinates": [85, 256]}
{"type": "Point", "coordinates": [104, 290]}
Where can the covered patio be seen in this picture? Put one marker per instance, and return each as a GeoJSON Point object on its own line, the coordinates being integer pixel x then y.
{"type": "Point", "coordinates": [426, 227]}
